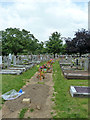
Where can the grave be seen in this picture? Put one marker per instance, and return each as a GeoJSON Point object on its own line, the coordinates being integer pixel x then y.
{"type": "Point", "coordinates": [0, 60]}
{"type": "Point", "coordinates": [68, 68]}
{"type": "Point", "coordinates": [36, 62]}
{"type": "Point", "coordinates": [16, 68]}
{"type": "Point", "coordinates": [12, 64]}
{"type": "Point", "coordinates": [14, 60]}
{"type": "Point", "coordinates": [9, 60]}
{"type": "Point", "coordinates": [65, 64]}
{"type": "Point", "coordinates": [75, 72]}
{"type": "Point", "coordinates": [5, 61]}
{"type": "Point", "coordinates": [80, 91]}
{"type": "Point", "coordinates": [24, 66]}
{"type": "Point", "coordinates": [86, 65]}
{"type": "Point", "coordinates": [76, 76]}
{"type": "Point", "coordinates": [14, 72]}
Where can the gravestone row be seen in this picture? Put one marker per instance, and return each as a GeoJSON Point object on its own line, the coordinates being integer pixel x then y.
{"type": "Point", "coordinates": [80, 70]}
{"type": "Point", "coordinates": [17, 64]}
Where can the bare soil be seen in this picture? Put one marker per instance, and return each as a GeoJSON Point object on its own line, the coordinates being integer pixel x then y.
{"type": "Point", "coordinates": [40, 92]}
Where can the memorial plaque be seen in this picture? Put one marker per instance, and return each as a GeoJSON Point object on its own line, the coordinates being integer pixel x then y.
{"type": "Point", "coordinates": [80, 91]}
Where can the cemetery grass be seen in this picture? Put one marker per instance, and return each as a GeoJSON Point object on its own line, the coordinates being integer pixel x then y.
{"type": "Point", "coordinates": [17, 81]}
{"type": "Point", "coordinates": [65, 105]}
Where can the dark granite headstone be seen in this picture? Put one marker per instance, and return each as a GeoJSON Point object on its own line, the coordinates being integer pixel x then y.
{"type": "Point", "coordinates": [80, 91]}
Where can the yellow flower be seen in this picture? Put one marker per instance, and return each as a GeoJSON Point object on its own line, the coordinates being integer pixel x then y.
{"type": "Point", "coordinates": [37, 66]}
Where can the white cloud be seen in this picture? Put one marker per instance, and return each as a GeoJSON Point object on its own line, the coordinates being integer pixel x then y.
{"type": "Point", "coordinates": [42, 17]}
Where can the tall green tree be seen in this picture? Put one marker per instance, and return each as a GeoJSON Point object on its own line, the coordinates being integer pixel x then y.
{"type": "Point", "coordinates": [41, 49]}
{"type": "Point", "coordinates": [15, 41]}
{"type": "Point", "coordinates": [34, 45]}
{"type": "Point", "coordinates": [64, 49]}
{"type": "Point", "coordinates": [12, 41]}
{"type": "Point", "coordinates": [54, 44]}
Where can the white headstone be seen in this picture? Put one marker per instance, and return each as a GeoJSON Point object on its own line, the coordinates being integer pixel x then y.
{"type": "Point", "coordinates": [86, 65]}
{"type": "Point", "coordinates": [0, 59]}
{"type": "Point", "coordinates": [14, 60]}
{"type": "Point", "coordinates": [10, 56]}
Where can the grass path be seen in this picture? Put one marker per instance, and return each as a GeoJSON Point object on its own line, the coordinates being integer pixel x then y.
{"type": "Point", "coordinates": [65, 105]}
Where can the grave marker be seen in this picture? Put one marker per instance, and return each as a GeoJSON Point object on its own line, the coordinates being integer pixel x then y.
{"type": "Point", "coordinates": [14, 60]}
{"type": "Point", "coordinates": [86, 65]}
{"type": "Point", "coordinates": [0, 60]}
{"type": "Point", "coordinates": [80, 91]}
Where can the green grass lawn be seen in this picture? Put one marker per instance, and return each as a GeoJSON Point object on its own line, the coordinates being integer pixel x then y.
{"type": "Point", "coordinates": [17, 81]}
{"type": "Point", "coordinates": [65, 105]}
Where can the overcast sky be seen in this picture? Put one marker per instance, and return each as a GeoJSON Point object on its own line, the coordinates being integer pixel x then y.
{"type": "Point", "coordinates": [43, 17]}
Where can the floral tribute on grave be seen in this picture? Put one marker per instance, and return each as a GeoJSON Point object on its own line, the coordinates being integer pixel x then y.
{"type": "Point", "coordinates": [45, 68]}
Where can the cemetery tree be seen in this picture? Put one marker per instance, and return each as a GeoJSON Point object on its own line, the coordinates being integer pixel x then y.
{"type": "Point", "coordinates": [12, 41]}
{"type": "Point", "coordinates": [54, 44]}
{"type": "Point", "coordinates": [30, 43]}
{"type": "Point", "coordinates": [34, 45]}
{"type": "Point", "coordinates": [16, 41]}
{"type": "Point", "coordinates": [27, 40]}
{"type": "Point", "coordinates": [41, 48]}
{"type": "Point", "coordinates": [88, 42]}
{"type": "Point", "coordinates": [80, 43]}
{"type": "Point", "coordinates": [64, 49]}
{"type": "Point", "coordinates": [70, 46]}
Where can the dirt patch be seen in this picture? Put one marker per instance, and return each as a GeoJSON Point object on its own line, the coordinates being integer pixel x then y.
{"type": "Point", "coordinates": [40, 95]}
{"type": "Point", "coordinates": [34, 79]}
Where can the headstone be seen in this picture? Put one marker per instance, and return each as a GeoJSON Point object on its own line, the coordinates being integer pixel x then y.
{"type": "Point", "coordinates": [20, 60]}
{"type": "Point", "coordinates": [77, 63]}
{"type": "Point", "coordinates": [5, 59]}
{"type": "Point", "coordinates": [10, 72]}
{"type": "Point", "coordinates": [0, 59]}
{"type": "Point", "coordinates": [41, 58]}
{"type": "Point", "coordinates": [0, 62]}
{"type": "Point", "coordinates": [14, 60]}
{"type": "Point", "coordinates": [38, 57]}
{"type": "Point", "coordinates": [81, 64]}
{"type": "Point", "coordinates": [10, 56]}
{"type": "Point", "coordinates": [80, 91]}
{"type": "Point", "coordinates": [9, 60]}
{"type": "Point", "coordinates": [86, 65]}
{"type": "Point", "coordinates": [17, 60]}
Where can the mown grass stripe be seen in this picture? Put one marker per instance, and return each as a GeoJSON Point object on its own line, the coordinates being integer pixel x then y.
{"type": "Point", "coordinates": [65, 105]}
